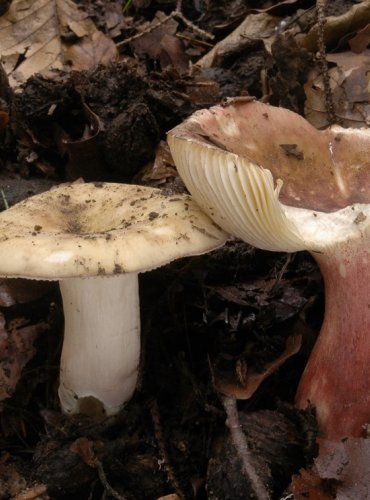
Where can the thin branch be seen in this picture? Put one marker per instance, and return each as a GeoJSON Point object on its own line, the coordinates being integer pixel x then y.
{"type": "Point", "coordinates": [173, 15]}
{"type": "Point", "coordinates": [242, 448]}
{"type": "Point", "coordinates": [329, 101]}
{"type": "Point", "coordinates": [154, 410]}
{"type": "Point", "coordinates": [103, 479]}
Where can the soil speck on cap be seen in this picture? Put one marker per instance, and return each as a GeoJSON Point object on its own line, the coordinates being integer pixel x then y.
{"type": "Point", "coordinates": [117, 269]}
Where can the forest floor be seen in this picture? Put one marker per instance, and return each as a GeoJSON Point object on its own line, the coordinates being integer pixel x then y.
{"type": "Point", "coordinates": [96, 104]}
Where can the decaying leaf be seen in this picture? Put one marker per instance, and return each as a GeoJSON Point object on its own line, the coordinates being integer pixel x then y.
{"type": "Point", "coordinates": [243, 384]}
{"type": "Point", "coordinates": [35, 492]}
{"type": "Point", "coordinates": [40, 35]}
{"type": "Point", "coordinates": [94, 49]}
{"type": "Point", "coordinates": [163, 166]}
{"type": "Point", "coordinates": [361, 40]}
{"type": "Point", "coordinates": [158, 41]}
{"type": "Point", "coordinates": [4, 120]}
{"type": "Point", "coordinates": [153, 32]}
{"type": "Point", "coordinates": [349, 81]}
{"type": "Point", "coordinates": [357, 17]}
{"type": "Point", "coordinates": [11, 481]}
{"type": "Point", "coordinates": [171, 496]}
{"type": "Point", "coordinates": [13, 485]}
{"type": "Point", "coordinates": [85, 154]}
{"type": "Point", "coordinates": [16, 349]}
{"type": "Point", "coordinates": [85, 449]}
{"type": "Point", "coordinates": [308, 484]}
{"type": "Point", "coordinates": [254, 27]}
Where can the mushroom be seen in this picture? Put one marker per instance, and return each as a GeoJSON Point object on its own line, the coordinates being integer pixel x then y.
{"type": "Point", "coordinates": [95, 239]}
{"type": "Point", "coordinates": [265, 175]}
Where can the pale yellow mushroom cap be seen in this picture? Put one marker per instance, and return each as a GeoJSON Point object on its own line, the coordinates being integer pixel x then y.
{"type": "Point", "coordinates": [82, 230]}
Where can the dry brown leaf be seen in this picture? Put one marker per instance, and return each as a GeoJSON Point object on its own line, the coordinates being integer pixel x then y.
{"type": "Point", "coordinates": [11, 482]}
{"type": "Point", "coordinates": [85, 154]}
{"type": "Point", "coordinates": [307, 484]}
{"type": "Point", "coordinates": [357, 17]}
{"type": "Point", "coordinates": [34, 34]}
{"type": "Point", "coordinates": [350, 85]}
{"type": "Point", "coordinates": [172, 53]}
{"type": "Point", "coordinates": [90, 51]}
{"type": "Point", "coordinates": [361, 40]}
{"type": "Point", "coordinates": [163, 166]}
{"type": "Point", "coordinates": [172, 496]}
{"type": "Point", "coordinates": [254, 27]}
{"type": "Point", "coordinates": [35, 492]}
{"type": "Point", "coordinates": [149, 42]}
{"type": "Point", "coordinates": [85, 449]}
{"type": "Point", "coordinates": [4, 120]}
{"type": "Point", "coordinates": [13, 485]}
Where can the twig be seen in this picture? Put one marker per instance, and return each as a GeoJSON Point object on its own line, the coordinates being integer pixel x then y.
{"type": "Point", "coordinates": [163, 450]}
{"type": "Point", "coordinates": [104, 481]}
{"type": "Point", "coordinates": [320, 13]}
{"type": "Point", "coordinates": [280, 274]}
{"type": "Point", "coordinates": [174, 14]}
{"type": "Point", "coordinates": [5, 201]}
{"type": "Point", "coordinates": [242, 448]}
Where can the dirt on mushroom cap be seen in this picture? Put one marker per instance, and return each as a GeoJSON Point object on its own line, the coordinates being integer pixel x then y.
{"type": "Point", "coordinates": [101, 229]}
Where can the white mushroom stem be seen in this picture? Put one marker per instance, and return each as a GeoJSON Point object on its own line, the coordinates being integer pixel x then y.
{"type": "Point", "coordinates": [101, 349]}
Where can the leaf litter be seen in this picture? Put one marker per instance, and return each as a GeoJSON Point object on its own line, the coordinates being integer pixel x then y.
{"type": "Point", "coordinates": [93, 96]}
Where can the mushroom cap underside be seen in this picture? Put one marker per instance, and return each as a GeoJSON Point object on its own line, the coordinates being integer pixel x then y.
{"type": "Point", "coordinates": [320, 170]}
{"type": "Point", "coordinates": [97, 229]}
{"type": "Point", "coordinates": [244, 180]}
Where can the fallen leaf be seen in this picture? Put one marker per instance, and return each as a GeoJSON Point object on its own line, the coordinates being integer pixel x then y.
{"type": "Point", "coordinates": [85, 154]}
{"type": "Point", "coordinates": [90, 51]}
{"type": "Point", "coordinates": [36, 36]}
{"type": "Point", "coordinates": [153, 32]}
{"type": "Point", "coordinates": [11, 482]}
{"type": "Point", "coordinates": [4, 120]}
{"type": "Point", "coordinates": [172, 496]}
{"type": "Point", "coordinates": [361, 40]}
{"type": "Point", "coordinates": [85, 449]}
{"type": "Point", "coordinates": [244, 385]}
{"type": "Point", "coordinates": [349, 82]}
{"type": "Point", "coordinates": [308, 484]}
{"type": "Point", "coordinates": [163, 166]}
{"type": "Point", "coordinates": [172, 53]}
{"type": "Point", "coordinates": [254, 27]}
{"type": "Point", "coordinates": [16, 349]}
{"type": "Point", "coordinates": [357, 17]}
{"type": "Point", "coordinates": [35, 492]}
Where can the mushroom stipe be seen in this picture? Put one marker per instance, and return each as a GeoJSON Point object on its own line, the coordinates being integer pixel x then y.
{"type": "Point", "coordinates": [95, 239]}
{"type": "Point", "coordinates": [267, 176]}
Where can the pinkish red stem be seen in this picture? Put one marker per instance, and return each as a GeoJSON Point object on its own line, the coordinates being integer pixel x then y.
{"type": "Point", "coordinates": [337, 377]}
